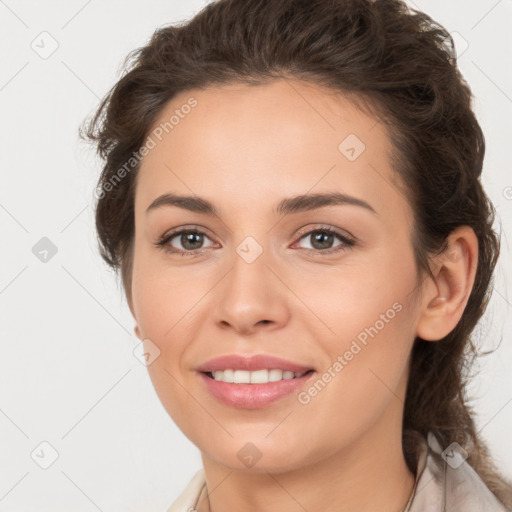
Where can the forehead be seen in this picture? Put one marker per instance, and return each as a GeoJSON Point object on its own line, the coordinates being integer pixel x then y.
{"type": "Point", "coordinates": [245, 142]}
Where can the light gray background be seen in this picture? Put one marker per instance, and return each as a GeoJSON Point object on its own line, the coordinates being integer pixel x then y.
{"type": "Point", "coordinates": [68, 374]}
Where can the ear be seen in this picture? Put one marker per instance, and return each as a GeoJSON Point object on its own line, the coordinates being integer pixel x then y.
{"type": "Point", "coordinates": [445, 299]}
{"type": "Point", "coordinates": [136, 328]}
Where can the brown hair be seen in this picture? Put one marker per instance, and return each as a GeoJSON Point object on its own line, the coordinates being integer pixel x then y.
{"type": "Point", "coordinates": [397, 63]}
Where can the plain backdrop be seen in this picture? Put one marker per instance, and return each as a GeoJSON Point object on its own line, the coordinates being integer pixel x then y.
{"type": "Point", "coordinates": [69, 378]}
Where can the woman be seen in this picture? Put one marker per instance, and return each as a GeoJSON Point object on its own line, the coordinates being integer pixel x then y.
{"type": "Point", "coordinates": [291, 193]}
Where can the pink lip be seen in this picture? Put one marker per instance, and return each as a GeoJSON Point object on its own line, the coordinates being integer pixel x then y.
{"type": "Point", "coordinates": [252, 363]}
{"type": "Point", "coordinates": [253, 396]}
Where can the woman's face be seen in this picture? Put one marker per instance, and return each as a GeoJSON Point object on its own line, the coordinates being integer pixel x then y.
{"type": "Point", "coordinates": [261, 277]}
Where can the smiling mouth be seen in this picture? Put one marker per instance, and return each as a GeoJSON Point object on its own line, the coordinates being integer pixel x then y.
{"type": "Point", "coordinates": [263, 376]}
{"type": "Point", "coordinates": [254, 389]}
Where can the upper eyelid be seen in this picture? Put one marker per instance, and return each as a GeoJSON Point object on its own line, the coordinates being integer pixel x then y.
{"type": "Point", "coordinates": [177, 231]}
{"type": "Point", "coordinates": [301, 232]}
{"type": "Point", "coordinates": [323, 227]}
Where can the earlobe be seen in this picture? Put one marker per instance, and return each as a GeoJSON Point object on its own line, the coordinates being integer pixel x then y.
{"type": "Point", "coordinates": [447, 297]}
{"type": "Point", "coordinates": [136, 330]}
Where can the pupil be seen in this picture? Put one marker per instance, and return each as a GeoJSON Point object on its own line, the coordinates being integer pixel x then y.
{"type": "Point", "coordinates": [325, 240]}
{"type": "Point", "coordinates": [187, 239]}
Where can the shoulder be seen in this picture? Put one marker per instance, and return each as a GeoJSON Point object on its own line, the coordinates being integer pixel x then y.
{"type": "Point", "coordinates": [447, 483]}
{"type": "Point", "coordinates": [187, 500]}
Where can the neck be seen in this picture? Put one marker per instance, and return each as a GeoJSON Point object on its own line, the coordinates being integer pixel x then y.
{"type": "Point", "coordinates": [366, 476]}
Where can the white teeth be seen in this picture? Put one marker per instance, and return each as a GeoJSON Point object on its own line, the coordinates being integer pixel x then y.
{"type": "Point", "coordinates": [259, 377]}
{"type": "Point", "coordinates": [275, 375]}
{"type": "Point", "coordinates": [227, 376]}
{"type": "Point", "coordinates": [255, 377]}
{"type": "Point", "coordinates": [242, 377]}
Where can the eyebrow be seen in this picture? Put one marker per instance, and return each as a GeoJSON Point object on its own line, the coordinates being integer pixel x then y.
{"type": "Point", "coordinates": [289, 205]}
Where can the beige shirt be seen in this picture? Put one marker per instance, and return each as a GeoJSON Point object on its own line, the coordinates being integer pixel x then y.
{"type": "Point", "coordinates": [443, 484]}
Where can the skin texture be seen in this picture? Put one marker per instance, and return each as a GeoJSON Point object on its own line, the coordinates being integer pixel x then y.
{"type": "Point", "coordinates": [245, 148]}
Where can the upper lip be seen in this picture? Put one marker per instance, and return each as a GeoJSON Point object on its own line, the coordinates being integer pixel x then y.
{"type": "Point", "coordinates": [251, 363]}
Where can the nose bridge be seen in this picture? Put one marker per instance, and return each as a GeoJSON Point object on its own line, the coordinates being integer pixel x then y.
{"type": "Point", "coordinates": [248, 278]}
{"type": "Point", "coordinates": [250, 293]}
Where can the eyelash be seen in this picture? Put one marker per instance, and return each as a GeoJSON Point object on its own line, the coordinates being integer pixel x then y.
{"type": "Point", "coordinates": [348, 242]}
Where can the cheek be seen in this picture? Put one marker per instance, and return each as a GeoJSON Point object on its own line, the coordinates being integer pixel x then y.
{"type": "Point", "coordinates": [364, 380]}
{"type": "Point", "coordinates": [355, 299]}
{"type": "Point", "coordinates": [371, 317]}
{"type": "Point", "coordinates": [166, 298]}
{"type": "Point", "coordinates": [167, 302]}
{"type": "Point", "coordinates": [164, 309]}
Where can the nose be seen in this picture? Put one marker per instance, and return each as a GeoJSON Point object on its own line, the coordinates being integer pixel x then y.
{"type": "Point", "coordinates": [252, 297]}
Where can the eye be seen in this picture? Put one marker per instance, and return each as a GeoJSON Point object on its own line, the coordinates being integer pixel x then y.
{"type": "Point", "coordinates": [184, 241]}
{"type": "Point", "coordinates": [322, 240]}
{"type": "Point", "coordinates": [191, 241]}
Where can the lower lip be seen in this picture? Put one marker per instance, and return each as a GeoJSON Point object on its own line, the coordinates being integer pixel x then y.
{"type": "Point", "coordinates": [253, 396]}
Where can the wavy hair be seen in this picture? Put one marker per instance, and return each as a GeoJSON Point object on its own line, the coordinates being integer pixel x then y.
{"type": "Point", "coordinates": [395, 63]}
